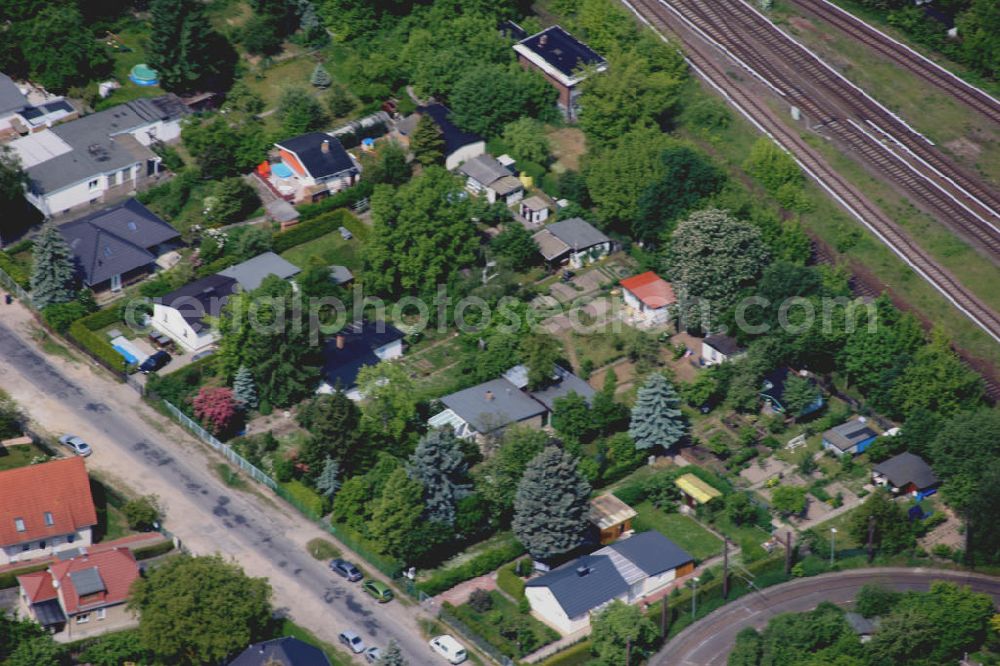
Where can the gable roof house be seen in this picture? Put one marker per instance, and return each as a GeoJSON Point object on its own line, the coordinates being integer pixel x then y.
{"type": "Point", "coordinates": [314, 165]}
{"type": "Point", "coordinates": [574, 241]}
{"type": "Point", "coordinates": [719, 348]}
{"type": "Point", "coordinates": [45, 509]}
{"type": "Point", "coordinates": [459, 145]}
{"type": "Point", "coordinates": [182, 314]}
{"type": "Point", "coordinates": [563, 60]}
{"type": "Point", "coordinates": [286, 651]}
{"type": "Point", "coordinates": [628, 570]}
{"type": "Point", "coordinates": [98, 158]}
{"type": "Point", "coordinates": [81, 596]}
{"type": "Point", "coordinates": [485, 175]}
{"type": "Point", "coordinates": [486, 408]}
{"type": "Point", "coordinates": [12, 100]}
{"type": "Point", "coordinates": [906, 474]}
{"type": "Point", "coordinates": [250, 274]}
{"type": "Point", "coordinates": [649, 297]}
{"type": "Point", "coordinates": [118, 245]}
{"type": "Point", "coordinates": [852, 437]}
{"type": "Point", "coordinates": [359, 344]}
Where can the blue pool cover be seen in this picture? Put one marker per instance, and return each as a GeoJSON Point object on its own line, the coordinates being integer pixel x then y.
{"type": "Point", "coordinates": [281, 170]}
{"type": "Point", "coordinates": [124, 352]}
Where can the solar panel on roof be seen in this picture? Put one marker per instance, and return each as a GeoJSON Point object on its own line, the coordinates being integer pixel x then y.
{"type": "Point", "coordinates": [87, 581]}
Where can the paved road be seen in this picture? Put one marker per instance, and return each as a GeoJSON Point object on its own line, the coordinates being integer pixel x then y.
{"type": "Point", "coordinates": [709, 641]}
{"type": "Point", "coordinates": [137, 446]}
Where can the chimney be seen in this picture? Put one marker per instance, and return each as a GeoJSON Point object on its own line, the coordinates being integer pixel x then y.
{"type": "Point", "coordinates": [326, 146]}
{"type": "Point", "coordinates": [489, 396]}
{"type": "Point", "coordinates": [543, 40]}
{"type": "Point", "coordinates": [582, 570]}
{"type": "Point", "coordinates": [340, 340]}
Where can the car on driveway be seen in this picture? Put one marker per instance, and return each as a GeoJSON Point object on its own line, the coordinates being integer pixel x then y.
{"type": "Point", "coordinates": [377, 589]}
{"type": "Point", "coordinates": [154, 362]}
{"type": "Point", "coordinates": [449, 648]}
{"type": "Point", "coordinates": [346, 569]}
{"type": "Point", "coordinates": [352, 641]}
{"type": "Point", "coordinates": [79, 447]}
{"type": "Point", "coordinates": [372, 655]}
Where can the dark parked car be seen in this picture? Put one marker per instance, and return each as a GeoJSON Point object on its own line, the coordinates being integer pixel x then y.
{"type": "Point", "coordinates": [567, 276]}
{"type": "Point", "coordinates": [154, 362]}
{"type": "Point", "coordinates": [346, 569]}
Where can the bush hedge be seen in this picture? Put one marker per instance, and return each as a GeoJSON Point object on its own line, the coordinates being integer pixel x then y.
{"type": "Point", "coordinates": [305, 498]}
{"type": "Point", "coordinates": [146, 552]}
{"type": "Point", "coordinates": [9, 578]}
{"type": "Point", "coordinates": [82, 332]}
{"type": "Point", "coordinates": [575, 655]}
{"type": "Point", "coordinates": [16, 271]}
{"type": "Point", "coordinates": [510, 582]}
{"type": "Point", "coordinates": [481, 564]}
{"type": "Point", "coordinates": [342, 199]}
{"type": "Point", "coordinates": [309, 230]}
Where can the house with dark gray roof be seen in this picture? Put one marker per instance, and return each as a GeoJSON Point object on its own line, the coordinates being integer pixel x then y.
{"type": "Point", "coordinates": [459, 146]}
{"type": "Point", "coordinates": [118, 245]}
{"type": "Point", "coordinates": [12, 100]}
{"type": "Point", "coordinates": [357, 345]}
{"type": "Point", "coordinates": [314, 165]}
{"type": "Point", "coordinates": [628, 570]}
{"type": "Point", "coordinates": [563, 60]}
{"type": "Point", "coordinates": [184, 314]}
{"type": "Point", "coordinates": [98, 158]}
{"type": "Point", "coordinates": [250, 273]}
{"type": "Point", "coordinates": [850, 438]}
{"type": "Point", "coordinates": [491, 406]}
{"type": "Point", "coordinates": [485, 175]}
{"type": "Point", "coordinates": [906, 474]}
{"type": "Point", "coordinates": [574, 241]}
{"type": "Point", "coordinates": [719, 348]}
{"type": "Point", "coordinates": [287, 651]}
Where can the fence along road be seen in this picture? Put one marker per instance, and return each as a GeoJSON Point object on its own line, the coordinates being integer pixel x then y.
{"type": "Point", "coordinates": [660, 16]}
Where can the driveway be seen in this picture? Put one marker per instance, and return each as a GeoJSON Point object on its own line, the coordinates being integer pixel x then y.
{"type": "Point", "coordinates": [140, 449]}
{"type": "Point", "coordinates": [709, 641]}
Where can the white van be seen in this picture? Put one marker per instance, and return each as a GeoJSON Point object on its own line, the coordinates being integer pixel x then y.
{"type": "Point", "coordinates": [449, 648]}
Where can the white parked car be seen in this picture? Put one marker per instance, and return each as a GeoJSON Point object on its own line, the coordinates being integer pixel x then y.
{"type": "Point", "coordinates": [79, 447]}
{"type": "Point", "coordinates": [449, 648]}
{"type": "Point", "coordinates": [353, 641]}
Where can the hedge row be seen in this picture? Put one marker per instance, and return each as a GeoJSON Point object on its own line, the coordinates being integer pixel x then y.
{"type": "Point", "coordinates": [156, 549]}
{"type": "Point", "coordinates": [577, 654]}
{"type": "Point", "coordinates": [83, 333]}
{"type": "Point", "coordinates": [342, 199]}
{"type": "Point", "coordinates": [479, 565]}
{"type": "Point", "coordinates": [305, 498]}
{"type": "Point", "coordinates": [309, 230]}
{"type": "Point", "coordinates": [510, 582]}
{"type": "Point", "coordinates": [16, 271]}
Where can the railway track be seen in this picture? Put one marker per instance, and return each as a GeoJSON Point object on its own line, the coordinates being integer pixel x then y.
{"type": "Point", "coordinates": [904, 56]}
{"type": "Point", "coordinates": [883, 140]}
{"type": "Point", "coordinates": [663, 17]}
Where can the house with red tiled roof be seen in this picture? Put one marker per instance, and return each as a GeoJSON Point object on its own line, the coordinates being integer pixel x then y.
{"type": "Point", "coordinates": [648, 297]}
{"type": "Point", "coordinates": [81, 595]}
{"type": "Point", "coordinates": [44, 509]}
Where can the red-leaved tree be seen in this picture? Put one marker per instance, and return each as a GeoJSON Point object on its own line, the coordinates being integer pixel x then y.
{"type": "Point", "coordinates": [216, 408]}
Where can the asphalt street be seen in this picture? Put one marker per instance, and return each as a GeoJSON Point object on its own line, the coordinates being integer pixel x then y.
{"type": "Point", "coordinates": [709, 641]}
{"type": "Point", "coordinates": [152, 455]}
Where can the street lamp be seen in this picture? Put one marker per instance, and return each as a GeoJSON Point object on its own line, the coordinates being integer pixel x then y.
{"type": "Point", "coordinates": [833, 540]}
{"type": "Point", "coordinates": [694, 596]}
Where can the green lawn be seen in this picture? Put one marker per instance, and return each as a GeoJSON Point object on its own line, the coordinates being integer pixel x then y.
{"type": "Point", "coordinates": [18, 456]}
{"type": "Point", "coordinates": [682, 530]}
{"type": "Point", "coordinates": [739, 533]}
{"type": "Point", "coordinates": [332, 248]}
{"type": "Point", "coordinates": [134, 38]}
{"type": "Point", "coordinates": [505, 627]}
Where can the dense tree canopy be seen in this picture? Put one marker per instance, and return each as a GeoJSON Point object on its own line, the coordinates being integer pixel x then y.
{"type": "Point", "coordinates": [656, 416]}
{"type": "Point", "coordinates": [487, 98]}
{"type": "Point", "coordinates": [184, 49]}
{"type": "Point", "coordinates": [550, 507]}
{"type": "Point", "coordinates": [621, 628]}
{"type": "Point", "coordinates": [195, 610]}
{"type": "Point", "coordinates": [438, 463]}
{"type": "Point", "coordinates": [498, 476]}
{"type": "Point", "coordinates": [333, 423]}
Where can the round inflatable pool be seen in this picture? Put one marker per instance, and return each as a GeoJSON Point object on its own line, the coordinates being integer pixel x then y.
{"type": "Point", "coordinates": [144, 75]}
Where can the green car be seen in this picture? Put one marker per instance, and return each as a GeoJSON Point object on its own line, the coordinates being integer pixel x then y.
{"type": "Point", "coordinates": [377, 589]}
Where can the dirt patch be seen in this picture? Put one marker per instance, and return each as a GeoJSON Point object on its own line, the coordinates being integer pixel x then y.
{"type": "Point", "coordinates": [624, 370]}
{"type": "Point", "coordinates": [276, 422]}
{"type": "Point", "coordinates": [800, 23]}
{"type": "Point", "coordinates": [568, 146]}
{"type": "Point", "coordinates": [964, 147]}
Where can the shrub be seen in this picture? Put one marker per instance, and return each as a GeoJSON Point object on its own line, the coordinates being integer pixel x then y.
{"type": "Point", "coordinates": [305, 498]}
{"type": "Point", "coordinates": [524, 567]}
{"type": "Point", "coordinates": [631, 493]}
{"type": "Point", "coordinates": [341, 199]}
{"type": "Point", "coordinates": [155, 550]}
{"type": "Point", "coordinates": [445, 579]}
{"type": "Point", "coordinates": [60, 315]}
{"type": "Point", "coordinates": [309, 230]}
{"type": "Point", "coordinates": [97, 346]}
{"type": "Point", "coordinates": [16, 271]}
{"type": "Point", "coordinates": [9, 578]}
{"type": "Point", "coordinates": [480, 600]}
{"type": "Point", "coordinates": [141, 513]}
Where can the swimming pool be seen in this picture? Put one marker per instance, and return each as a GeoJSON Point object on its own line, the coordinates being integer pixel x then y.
{"type": "Point", "coordinates": [124, 352]}
{"type": "Point", "coordinates": [281, 170]}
